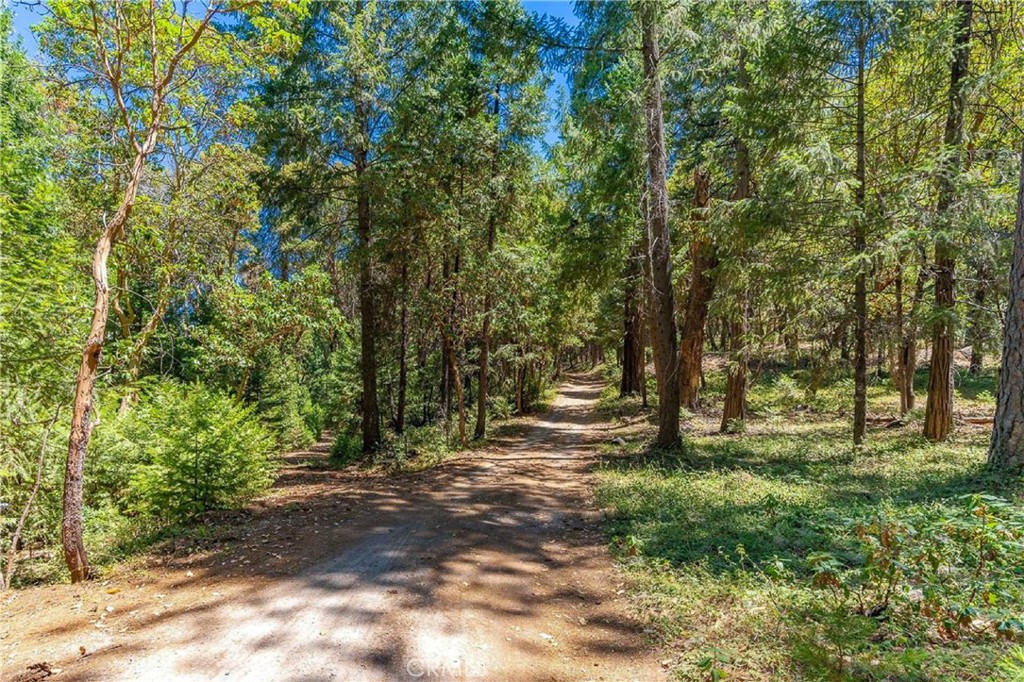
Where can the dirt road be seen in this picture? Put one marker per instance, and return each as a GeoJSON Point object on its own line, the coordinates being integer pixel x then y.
{"type": "Point", "coordinates": [491, 567]}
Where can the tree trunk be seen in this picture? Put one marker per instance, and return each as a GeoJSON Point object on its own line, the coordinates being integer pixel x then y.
{"type": "Point", "coordinates": [480, 430]}
{"type": "Point", "coordinates": [734, 411]}
{"type": "Point", "coordinates": [938, 419]}
{"type": "Point", "coordinates": [979, 337]}
{"type": "Point", "coordinates": [907, 355]}
{"type": "Point", "coordinates": [81, 416]}
{"type": "Point", "coordinates": [899, 364]}
{"type": "Point", "coordinates": [860, 296]}
{"type": "Point", "coordinates": [663, 330]}
{"type": "Point", "coordinates": [632, 343]}
{"type": "Point", "coordinates": [703, 260]}
{"type": "Point", "coordinates": [367, 310]}
{"type": "Point", "coordinates": [37, 482]}
{"type": "Point", "coordinates": [459, 398]}
{"type": "Point", "coordinates": [1006, 450]}
{"type": "Point", "coordinates": [403, 346]}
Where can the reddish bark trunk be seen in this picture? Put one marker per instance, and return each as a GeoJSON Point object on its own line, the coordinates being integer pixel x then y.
{"type": "Point", "coordinates": [703, 261]}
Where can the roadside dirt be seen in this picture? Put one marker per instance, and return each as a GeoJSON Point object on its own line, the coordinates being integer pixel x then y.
{"type": "Point", "coordinates": [491, 567]}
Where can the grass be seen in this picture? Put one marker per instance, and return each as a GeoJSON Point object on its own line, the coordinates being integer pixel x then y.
{"type": "Point", "coordinates": [719, 538]}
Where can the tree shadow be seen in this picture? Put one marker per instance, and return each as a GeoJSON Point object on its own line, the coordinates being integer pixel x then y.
{"type": "Point", "coordinates": [442, 574]}
{"type": "Point", "coordinates": [779, 496]}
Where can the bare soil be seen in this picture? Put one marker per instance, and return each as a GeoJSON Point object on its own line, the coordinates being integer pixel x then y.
{"type": "Point", "coordinates": [490, 567]}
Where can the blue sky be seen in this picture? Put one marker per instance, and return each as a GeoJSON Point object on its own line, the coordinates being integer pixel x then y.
{"type": "Point", "coordinates": [561, 9]}
{"type": "Point", "coordinates": [26, 16]}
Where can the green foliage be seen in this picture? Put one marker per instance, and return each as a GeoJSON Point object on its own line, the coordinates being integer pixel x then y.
{"type": "Point", "coordinates": [183, 451]}
{"type": "Point", "coordinates": [346, 449]}
{"type": "Point", "coordinates": [41, 297]}
{"type": "Point", "coordinates": [923, 574]}
{"type": "Point", "coordinates": [806, 560]}
{"type": "Point", "coordinates": [284, 403]}
{"type": "Point", "coordinates": [1011, 667]}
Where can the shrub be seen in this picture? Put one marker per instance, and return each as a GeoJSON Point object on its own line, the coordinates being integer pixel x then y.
{"type": "Point", "coordinates": [501, 407]}
{"type": "Point", "coordinates": [347, 448]}
{"type": "Point", "coordinates": [182, 451]}
{"type": "Point", "coordinates": [923, 575]}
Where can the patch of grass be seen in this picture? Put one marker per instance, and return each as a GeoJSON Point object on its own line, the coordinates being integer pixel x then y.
{"type": "Point", "coordinates": [722, 538]}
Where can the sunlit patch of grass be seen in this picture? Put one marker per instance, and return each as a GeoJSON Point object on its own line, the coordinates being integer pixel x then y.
{"type": "Point", "coordinates": [716, 536]}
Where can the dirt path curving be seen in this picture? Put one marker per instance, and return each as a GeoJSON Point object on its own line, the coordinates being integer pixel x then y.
{"type": "Point", "coordinates": [491, 567]}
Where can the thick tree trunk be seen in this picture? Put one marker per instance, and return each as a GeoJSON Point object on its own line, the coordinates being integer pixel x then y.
{"type": "Point", "coordinates": [367, 310]}
{"type": "Point", "coordinates": [860, 296]}
{"type": "Point", "coordinates": [1006, 450]}
{"type": "Point", "coordinates": [938, 419]}
{"type": "Point", "coordinates": [703, 261]}
{"type": "Point", "coordinates": [663, 329]}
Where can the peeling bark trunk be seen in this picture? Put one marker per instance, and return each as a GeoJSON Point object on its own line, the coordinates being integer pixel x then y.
{"type": "Point", "coordinates": [81, 417]}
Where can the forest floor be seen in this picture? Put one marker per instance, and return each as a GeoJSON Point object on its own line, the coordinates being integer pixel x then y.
{"type": "Point", "coordinates": [720, 538]}
{"type": "Point", "coordinates": [491, 566]}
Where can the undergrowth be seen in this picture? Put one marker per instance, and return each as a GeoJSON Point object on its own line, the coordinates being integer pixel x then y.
{"type": "Point", "coordinates": [785, 554]}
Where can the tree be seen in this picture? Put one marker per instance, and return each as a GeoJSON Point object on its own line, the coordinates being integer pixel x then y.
{"type": "Point", "coordinates": [938, 417]}
{"type": "Point", "coordinates": [703, 280]}
{"type": "Point", "coordinates": [1006, 450]}
{"type": "Point", "coordinates": [658, 246]}
{"type": "Point", "coordinates": [131, 63]}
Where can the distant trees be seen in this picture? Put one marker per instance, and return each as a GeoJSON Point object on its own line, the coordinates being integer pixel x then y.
{"type": "Point", "coordinates": [417, 122]}
{"type": "Point", "coordinates": [783, 123]}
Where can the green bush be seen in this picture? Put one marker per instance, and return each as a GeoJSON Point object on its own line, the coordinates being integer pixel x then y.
{"type": "Point", "coordinates": [347, 448]}
{"type": "Point", "coordinates": [184, 450]}
{"type": "Point", "coordinates": [928, 574]}
{"type": "Point", "coordinates": [501, 407]}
